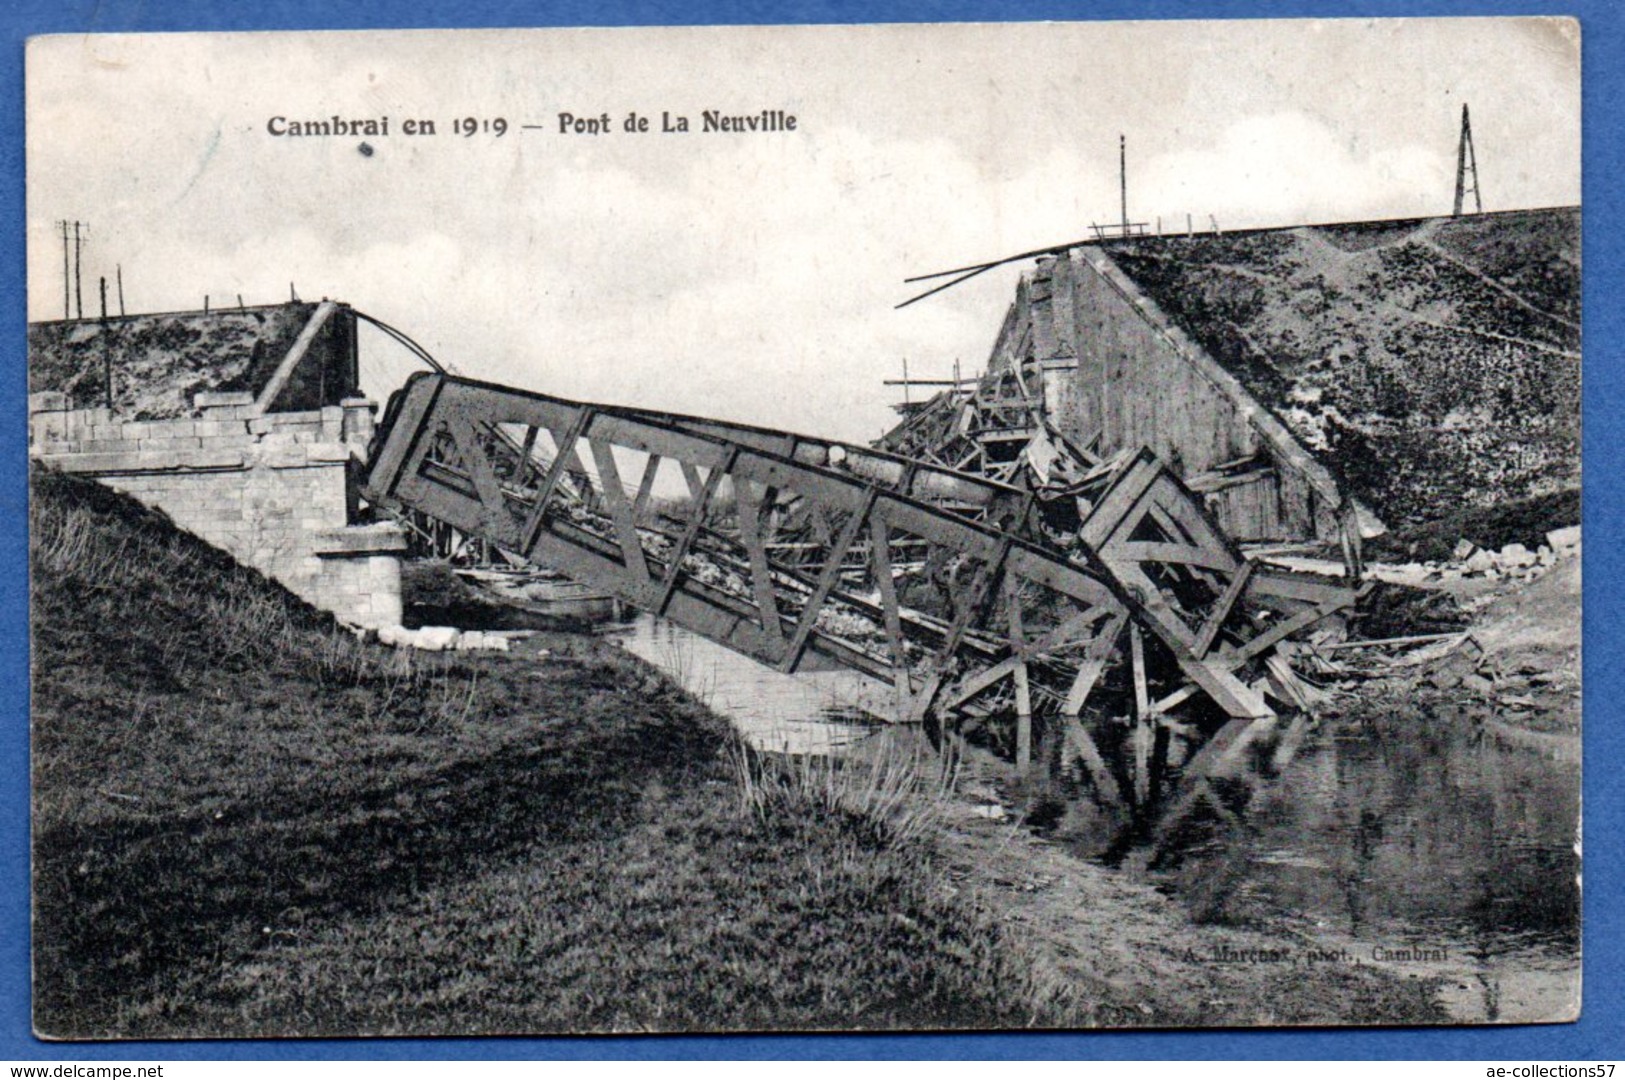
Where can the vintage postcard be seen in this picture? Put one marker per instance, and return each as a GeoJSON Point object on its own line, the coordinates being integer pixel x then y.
{"type": "Point", "coordinates": [917, 527]}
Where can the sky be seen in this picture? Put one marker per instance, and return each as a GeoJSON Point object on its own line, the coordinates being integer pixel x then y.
{"type": "Point", "coordinates": [751, 277]}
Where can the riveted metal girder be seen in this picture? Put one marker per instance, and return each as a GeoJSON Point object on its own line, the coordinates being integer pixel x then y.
{"type": "Point", "coordinates": [994, 617]}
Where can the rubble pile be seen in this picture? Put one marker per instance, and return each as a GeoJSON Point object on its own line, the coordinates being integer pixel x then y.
{"type": "Point", "coordinates": [443, 639]}
{"type": "Point", "coordinates": [1454, 663]}
{"type": "Point", "coordinates": [1514, 562]}
{"type": "Point", "coordinates": [1518, 661]}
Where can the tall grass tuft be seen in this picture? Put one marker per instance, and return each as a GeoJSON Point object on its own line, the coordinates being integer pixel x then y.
{"type": "Point", "coordinates": [62, 541]}
{"type": "Point", "coordinates": [894, 786]}
{"type": "Point", "coordinates": [679, 661]}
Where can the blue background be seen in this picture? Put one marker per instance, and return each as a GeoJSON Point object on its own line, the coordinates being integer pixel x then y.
{"type": "Point", "coordinates": [1595, 1036]}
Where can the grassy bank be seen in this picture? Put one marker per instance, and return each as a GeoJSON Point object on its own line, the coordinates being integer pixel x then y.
{"type": "Point", "coordinates": [248, 823]}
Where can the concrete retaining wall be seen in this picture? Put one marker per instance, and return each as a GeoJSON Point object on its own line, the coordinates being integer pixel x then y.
{"type": "Point", "coordinates": [273, 489]}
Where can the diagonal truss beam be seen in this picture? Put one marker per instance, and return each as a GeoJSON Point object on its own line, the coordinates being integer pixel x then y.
{"type": "Point", "coordinates": [709, 565]}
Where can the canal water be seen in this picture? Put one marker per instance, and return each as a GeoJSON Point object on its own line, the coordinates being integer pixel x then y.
{"type": "Point", "coordinates": [1437, 846]}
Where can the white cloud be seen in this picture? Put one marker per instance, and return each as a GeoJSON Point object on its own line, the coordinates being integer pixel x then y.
{"type": "Point", "coordinates": [752, 278]}
{"type": "Point", "coordinates": [1290, 168]}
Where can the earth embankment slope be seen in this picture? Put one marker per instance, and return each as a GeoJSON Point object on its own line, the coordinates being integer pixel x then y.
{"type": "Point", "coordinates": [248, 823]}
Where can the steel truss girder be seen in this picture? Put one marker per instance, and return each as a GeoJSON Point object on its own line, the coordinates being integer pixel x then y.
{"type": "Point", "coordinates": [1159, 542]}
{"type": "Point", "coordinates": [431, 457]}
{"type": "Point", "coordinates": [441, 450]}
{"type": "Point", "coordinates": [975, 497]}
{"type": "Point", "coordinates": [460, 489]}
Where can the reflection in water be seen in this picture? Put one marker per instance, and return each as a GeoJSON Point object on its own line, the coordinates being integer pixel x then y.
{"type": "Point", "coordinates": [1421, 837]}
{"type": "Point", "coordinates": [1432, 838]}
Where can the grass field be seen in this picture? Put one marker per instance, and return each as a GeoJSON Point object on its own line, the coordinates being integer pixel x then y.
{"type": "Point", "coordinates": [246, 822]}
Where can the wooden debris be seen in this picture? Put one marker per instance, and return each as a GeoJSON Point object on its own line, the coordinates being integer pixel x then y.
{"type": "Point", "coordinates": [1413, 639]}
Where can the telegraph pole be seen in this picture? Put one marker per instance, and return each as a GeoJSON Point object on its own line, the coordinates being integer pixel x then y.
{"type": "Point", "coordinates": [67, 298]}
{"type": "Point", "coordinates": [107, 349]}
{"type": "Point", "coordinates": [78, 293]}
{"type": "Point", "coordinates": [1122, 177]}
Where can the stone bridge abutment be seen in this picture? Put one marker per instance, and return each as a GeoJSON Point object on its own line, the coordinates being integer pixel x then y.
{"type": "Point", "coordinates": [276, 490]}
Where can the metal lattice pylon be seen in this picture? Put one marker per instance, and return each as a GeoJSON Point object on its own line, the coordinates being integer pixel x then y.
{"type": "Point", "coordinates": [1466, 165]}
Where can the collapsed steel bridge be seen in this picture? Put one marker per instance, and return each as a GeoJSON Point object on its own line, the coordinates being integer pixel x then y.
{"type": "Point", "coordinates": [1114, 609]}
